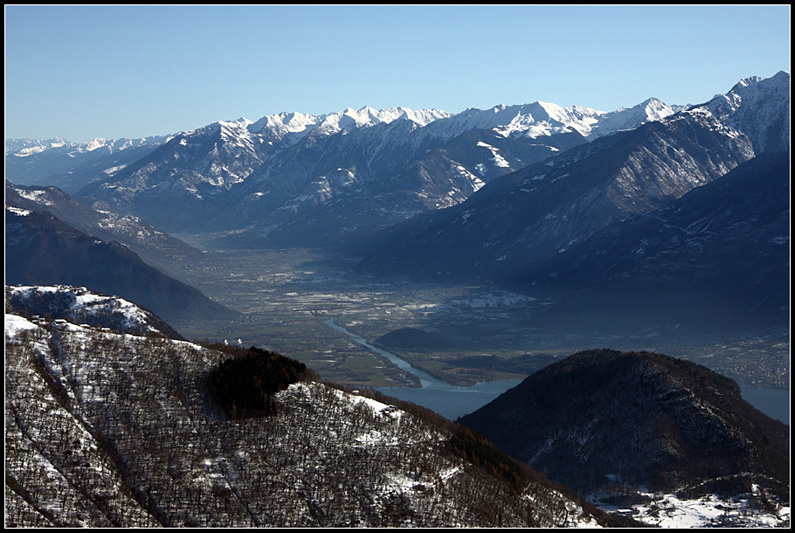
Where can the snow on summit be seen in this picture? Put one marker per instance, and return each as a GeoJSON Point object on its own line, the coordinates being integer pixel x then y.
{"type": "Point", "coordinates": [348, 119]}
{"type": "Point", "coordinates": [744, 109]}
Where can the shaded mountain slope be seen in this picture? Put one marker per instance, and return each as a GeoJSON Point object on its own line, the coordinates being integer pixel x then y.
{"type": "Point", "coordinates": [40, 249]}
{"type": "Point", "coordinates": [716, 258]}
{"type": "Point", "coordinates": [542, 210]}
{"type": "Point", "coordinates": [154, 246]}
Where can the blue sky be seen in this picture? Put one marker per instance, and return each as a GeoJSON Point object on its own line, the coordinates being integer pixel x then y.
{"type": "Point", "coordinates": [81, 72]}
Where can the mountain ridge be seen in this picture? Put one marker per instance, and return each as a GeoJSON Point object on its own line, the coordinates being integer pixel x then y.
{"type": "Point", "coordinates": [200, 168]}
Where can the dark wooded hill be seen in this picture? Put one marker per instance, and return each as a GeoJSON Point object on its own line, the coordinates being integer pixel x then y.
{"type": "Point", "coordinates": [604, 421]}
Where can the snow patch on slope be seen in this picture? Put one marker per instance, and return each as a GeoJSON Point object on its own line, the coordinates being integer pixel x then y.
{"type": "Point", "coordinates": [80, 305]}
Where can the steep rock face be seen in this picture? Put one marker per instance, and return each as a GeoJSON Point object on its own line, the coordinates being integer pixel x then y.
{"type": "Point", "coordinates": [545, 208]}
{"type": "Point", "coordinates": [605, 421]}
{"type": "Point", "coordinates": [107, 430]}
{"type": "Point", "coordinates": [40, 249]}
{"type": "Point", "coordinates": [715, 258]}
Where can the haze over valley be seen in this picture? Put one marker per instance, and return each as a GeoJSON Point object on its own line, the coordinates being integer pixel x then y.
{"type": "Point", "coordinates": [476, 301]}
{"type": "Point", "coordinates": [422, 255]}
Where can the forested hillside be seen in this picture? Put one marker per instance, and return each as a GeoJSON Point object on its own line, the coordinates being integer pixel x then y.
{"type": "Point", "coordinates": [117, 430]}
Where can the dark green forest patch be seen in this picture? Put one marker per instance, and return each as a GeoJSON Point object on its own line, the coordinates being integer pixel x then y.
{"type": "Point", "coordinates": [245, 383]}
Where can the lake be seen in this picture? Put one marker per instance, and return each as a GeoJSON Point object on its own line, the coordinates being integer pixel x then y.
{"type": "Point", "coordinates": [773, 402]}
{"type": "Point", "coordinates": [453, 401]}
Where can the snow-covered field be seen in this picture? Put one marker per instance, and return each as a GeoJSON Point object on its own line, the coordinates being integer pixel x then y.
{"type": "Point", "coordinates": [669, 511]}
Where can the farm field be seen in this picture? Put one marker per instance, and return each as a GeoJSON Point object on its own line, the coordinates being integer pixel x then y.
{"type": "Point", "coordinates": [462, 334]}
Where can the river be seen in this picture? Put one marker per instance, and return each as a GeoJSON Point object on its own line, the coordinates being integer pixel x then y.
{"type": "Point", "coordinates": [453, 401]}
{"type": "Point", "coordinates": [450, 401]}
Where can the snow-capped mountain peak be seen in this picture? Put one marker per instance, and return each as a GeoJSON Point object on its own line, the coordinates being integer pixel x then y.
{"type": "Point", "coordinates": [298, 125]}
{"type": "Point", "coordinates": [241, 122]}
{"type": "Point", "coordinates": [532, 120]}
{"type": "Point", "coordinates": [350, 119]}
{"type": "Point", "coordinates": [545, 118]}
{"type": "Point", "coordinates": [750, 107]}
{"type": "Point", "coordinates": [621, 119]}
{"type": "Point", "coordinates": [285, 123]}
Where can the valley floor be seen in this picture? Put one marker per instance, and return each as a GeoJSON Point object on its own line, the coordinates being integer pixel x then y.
{"type": "Point", "coordinates": [286, 297]}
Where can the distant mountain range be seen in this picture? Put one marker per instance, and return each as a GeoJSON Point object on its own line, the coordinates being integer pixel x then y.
{"type": "Point", "coordinates": [503, 194]}
{"type": "Point", "coordinates": [294, 179]}
{"type": "Point", "coordinates": [303, 180]}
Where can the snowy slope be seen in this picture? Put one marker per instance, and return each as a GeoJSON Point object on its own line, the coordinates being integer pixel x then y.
{"type": "Point", "coordinates": [298, 125]}
{"type": "Point", "coordinates": [116, 430]}
{"type": "Point", "coordinates": [759, 108]}
{"type": "Point", "coordinates": [670, 511]}
{"type": "Point", "coordinates": [82, 306]}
